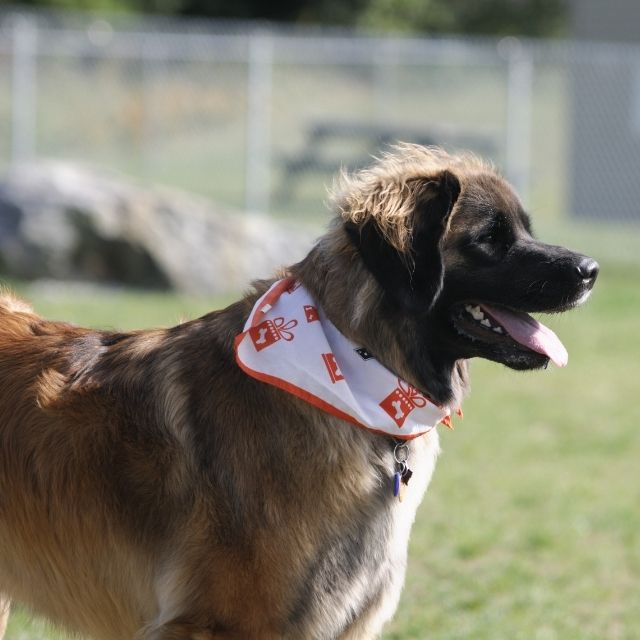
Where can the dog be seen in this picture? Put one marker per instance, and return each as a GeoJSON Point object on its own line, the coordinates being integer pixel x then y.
{"type": "Point", "coordinates": [153, 486]}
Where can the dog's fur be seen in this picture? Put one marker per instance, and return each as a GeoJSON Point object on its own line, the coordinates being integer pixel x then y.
{"type": "Point", "coordinates": [150, 489]}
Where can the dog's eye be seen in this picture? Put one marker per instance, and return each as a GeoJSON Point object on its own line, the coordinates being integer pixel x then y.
{"type": "Point", "coordinates": [489, 237]}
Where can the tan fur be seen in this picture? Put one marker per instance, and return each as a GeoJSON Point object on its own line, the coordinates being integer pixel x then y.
{"type": "Point", "coordinates": [149, 489]}
{"type": "Point", "coordinates": [5, 610]}
{"type": "Point", "coordinates": [387, 190]}
{"type": "Point", "coordinates": [72, 552]}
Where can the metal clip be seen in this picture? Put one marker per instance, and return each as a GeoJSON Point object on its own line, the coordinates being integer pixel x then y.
{"type": "Point", "coordinates": [402, 473]}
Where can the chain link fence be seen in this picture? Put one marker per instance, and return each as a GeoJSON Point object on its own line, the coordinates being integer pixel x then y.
{"type": "Point", "coordinates": [259, 117]}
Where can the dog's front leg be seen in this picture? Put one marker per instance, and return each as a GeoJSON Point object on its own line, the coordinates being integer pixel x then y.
{"type": "Point", "coordinates": [5, 606]}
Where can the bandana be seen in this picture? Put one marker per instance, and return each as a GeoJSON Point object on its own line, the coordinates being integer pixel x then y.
{"type": "Point", "coordinates": [288, 342]}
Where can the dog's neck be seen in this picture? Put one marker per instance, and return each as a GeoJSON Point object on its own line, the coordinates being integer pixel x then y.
{"type": "Point", "coordinates": [364, 315]}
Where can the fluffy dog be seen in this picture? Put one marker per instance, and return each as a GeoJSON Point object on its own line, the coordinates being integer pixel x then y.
{"type": "Point", "coordinates": [151, 489]}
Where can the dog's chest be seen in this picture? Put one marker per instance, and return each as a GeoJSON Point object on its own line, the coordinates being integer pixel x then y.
{"type": "Point", "coordinates": [355, 587]}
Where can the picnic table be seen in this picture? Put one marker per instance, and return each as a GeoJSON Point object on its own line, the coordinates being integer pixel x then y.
{"type": "Point", "coordinates": [367, 139]}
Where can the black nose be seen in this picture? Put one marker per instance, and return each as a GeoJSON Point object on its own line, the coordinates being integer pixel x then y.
{"type": "Point", "coordinates": [588, 269]}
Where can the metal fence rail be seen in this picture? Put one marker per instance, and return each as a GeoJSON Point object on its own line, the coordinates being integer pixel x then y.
{"type": "Point", "coordinates": [260, 117]}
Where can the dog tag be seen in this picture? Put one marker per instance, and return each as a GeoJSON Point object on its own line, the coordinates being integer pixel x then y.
{"type": "Point", "coordinates": [396, 484]}
{"type": "Point", "coordinates": [406, 476]}
{"type": "Point", "coordinates": [403, 474]}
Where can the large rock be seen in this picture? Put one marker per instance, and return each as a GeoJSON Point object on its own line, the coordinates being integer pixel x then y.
{"type": "Point", "coordinates": [60, 220]}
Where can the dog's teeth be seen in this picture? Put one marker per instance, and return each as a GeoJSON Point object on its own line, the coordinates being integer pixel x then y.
{"type": "Point", "coordinates": [485, 323]}
{"type": "Point", "coordinates": [498, 329]}
{"type": "Point", "coordinates": [477, 313]}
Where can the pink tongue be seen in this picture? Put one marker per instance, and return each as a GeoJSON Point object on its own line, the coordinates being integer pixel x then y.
{"type": "Point", "coordinates": [530, 333]}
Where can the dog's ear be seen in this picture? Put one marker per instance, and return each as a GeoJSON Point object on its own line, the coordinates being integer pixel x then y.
{"type": "Point", "coordinates": [412, 277]}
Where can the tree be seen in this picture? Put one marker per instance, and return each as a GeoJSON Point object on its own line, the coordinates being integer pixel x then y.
{"type": "Point", "coordinates": [475, 17]}
{"type": "Point", "coordinates": [332, 12]}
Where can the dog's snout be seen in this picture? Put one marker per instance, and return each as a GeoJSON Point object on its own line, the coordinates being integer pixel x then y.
{"type": "Point", "coordinates": [588, 269]}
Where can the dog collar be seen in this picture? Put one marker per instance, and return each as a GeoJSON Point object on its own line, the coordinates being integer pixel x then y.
{"type": "Point", "coordinates": [289, 342]}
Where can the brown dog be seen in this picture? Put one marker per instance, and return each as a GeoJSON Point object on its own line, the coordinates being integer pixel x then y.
{"type": "Point", "coordinates": [151, 489]}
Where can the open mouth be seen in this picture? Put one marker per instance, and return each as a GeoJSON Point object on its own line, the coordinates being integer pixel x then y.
{"type": "Point", "coordinates": [504, 327]}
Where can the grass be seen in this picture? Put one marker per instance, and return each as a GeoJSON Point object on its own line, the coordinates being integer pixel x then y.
{"type": "Point", "coordinates": [115, 308]}
{"type": "Point", "coordinates": [530, 527]}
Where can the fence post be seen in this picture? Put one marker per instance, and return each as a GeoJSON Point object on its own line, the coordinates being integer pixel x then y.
{"type": "Point", "coordinates": [385, 61]}
{"type": "Point", "coordinates": [24, 88]}
{"type": "Point", "coordinates": [257, 180]}
{"type": "Point", "coordinates": [519, 114]}
{"type": "Point", "coordinates": [152, 59]}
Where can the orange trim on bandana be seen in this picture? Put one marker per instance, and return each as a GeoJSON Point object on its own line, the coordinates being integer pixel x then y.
{"type": "Point", "coordinates": [284, 385]}
{"type": "Point", "coordinates": [268, 329]}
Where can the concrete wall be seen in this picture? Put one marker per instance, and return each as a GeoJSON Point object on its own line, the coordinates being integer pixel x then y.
{"type": "Point", "coordinates": [609, 20]}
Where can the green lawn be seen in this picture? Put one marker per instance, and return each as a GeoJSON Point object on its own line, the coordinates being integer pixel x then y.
{"type": "Point", "coordinates": [530, 529]}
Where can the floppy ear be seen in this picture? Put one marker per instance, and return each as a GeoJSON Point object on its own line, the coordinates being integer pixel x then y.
{"type": "Point", "coordinates": [413, 278]}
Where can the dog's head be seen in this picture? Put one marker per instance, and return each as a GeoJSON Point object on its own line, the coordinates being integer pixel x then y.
{"type": "Point", "coordinates": [457, 269]}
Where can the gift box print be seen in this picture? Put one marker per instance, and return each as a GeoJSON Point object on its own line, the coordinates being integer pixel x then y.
{"type": "Point", "coordinates": [269, 332]}
{"type": "Point", "coordinates": [333, 369]}
{"type": "Point", "coordinates": [402, 401]}
{"type": "Point", "coordinates": [311, 313]}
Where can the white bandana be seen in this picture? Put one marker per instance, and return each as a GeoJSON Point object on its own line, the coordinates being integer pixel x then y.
{"type": "Point", "coordinates": [288, 342]}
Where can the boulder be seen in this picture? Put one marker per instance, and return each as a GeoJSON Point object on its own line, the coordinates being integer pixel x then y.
{"type": "Point", "coordinates": [66, 221]}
